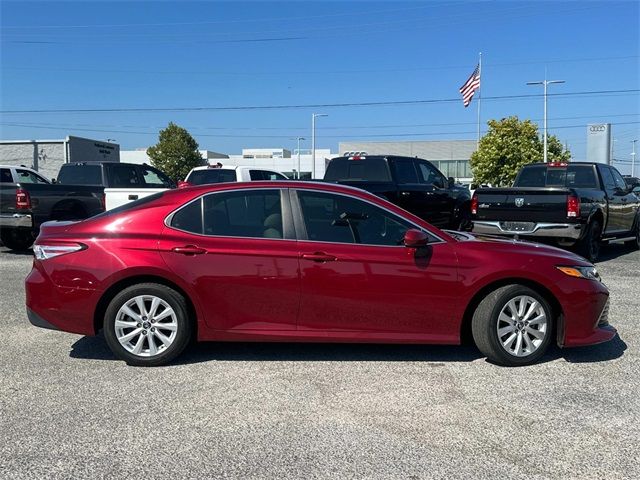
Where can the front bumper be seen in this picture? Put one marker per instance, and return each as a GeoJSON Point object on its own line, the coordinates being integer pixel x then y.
{"type": "Point", "coordinates": [16, 220]}
{"type": "Point", "coordinates": [555, 230]}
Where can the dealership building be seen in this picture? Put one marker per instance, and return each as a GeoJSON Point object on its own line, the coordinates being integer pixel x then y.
{"type": "Point", "coordinates": [47, 156]}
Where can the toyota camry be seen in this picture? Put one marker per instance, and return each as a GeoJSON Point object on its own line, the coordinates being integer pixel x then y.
{"type": "Point", "coordinates": [304, 262]}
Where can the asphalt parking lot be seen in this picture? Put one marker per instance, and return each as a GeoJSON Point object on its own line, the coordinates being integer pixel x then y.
{"type": "Point", "coordinates": [68, 409]}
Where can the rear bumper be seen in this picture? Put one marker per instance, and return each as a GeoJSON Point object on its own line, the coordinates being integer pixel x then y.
{"type": "Point", "coordinates": [555, 230]}
{"type": "Point", "coordinates": [16, 220]}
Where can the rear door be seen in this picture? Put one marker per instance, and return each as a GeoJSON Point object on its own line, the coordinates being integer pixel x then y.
{"type": "Point", "coordinates": [616, 202]}
{"type": "Point", "coordinates": [439, 193]}
{"type": "Point", "coordinates": [628, 201]}
{"type": "Point", "coordinates": [238, 251]}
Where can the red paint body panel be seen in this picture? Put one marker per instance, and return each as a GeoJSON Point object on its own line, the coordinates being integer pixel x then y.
{"type": "Point", "coordinates": [264, 290]}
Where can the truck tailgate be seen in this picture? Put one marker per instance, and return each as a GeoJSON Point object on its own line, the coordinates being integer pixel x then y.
{"type": "Point", "coordinates": [114, 197]}
{"type": "Point", "coordinates": [523, 204]}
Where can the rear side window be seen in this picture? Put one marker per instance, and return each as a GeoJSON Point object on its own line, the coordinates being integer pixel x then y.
{"type": "Point", "coordinates": [405, 171]}
{"type": "Point", "coordinates": [205, 177]}
{"type": "Point", "coordinates": [366, 169]}
{"type": "Point", "coordinates": [256, 214]}
{"type": "Point", "coordinates": [81, 175]}
{"type": "Point", "coordinates": [5, 176]}
{"type": "Point", "coordinates": [572, 176]}
{"type": "Point", "coordinates": [124, 176]}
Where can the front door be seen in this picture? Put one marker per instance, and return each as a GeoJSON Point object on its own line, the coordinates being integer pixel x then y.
{"type": "Point", "coordinates": [237, 250]}
{"type": "Point", "coordinates": [358, 277]}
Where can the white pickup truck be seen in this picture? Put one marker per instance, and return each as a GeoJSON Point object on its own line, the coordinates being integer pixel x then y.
{"type": "Point", "coordinates": [221, 174]}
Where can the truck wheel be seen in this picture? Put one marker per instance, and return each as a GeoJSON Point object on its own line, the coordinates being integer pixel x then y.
{"type": "Point", "coordinates": [147, 325]}
{"type": "Point", "coordinates": [18, 240]}
{"type": "Point", "coordinates": [513, 326]}
{"type": "Point", "coordinates": [635, 243]}
{"type": "Point", "coordinates": [589, 246]}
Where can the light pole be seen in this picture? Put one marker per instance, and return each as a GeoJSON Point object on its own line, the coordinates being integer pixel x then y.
{"type": "Point", "coordinates": [299, 138]}
{"type": "Point", "coordinates": [313, 142]}
{"type": "Point", "coordinates": [544, 83]}
{"type": "Point", "coordinates": [633, 157]}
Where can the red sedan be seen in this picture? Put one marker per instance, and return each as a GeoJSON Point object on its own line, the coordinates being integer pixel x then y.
{"type": "Point", "coordinates": [306, 262]}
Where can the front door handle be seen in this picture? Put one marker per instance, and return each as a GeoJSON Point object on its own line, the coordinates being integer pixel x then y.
{"type": "Point", "coordinates": [318, 257]}
{"type": "Point", "coordinates": [189, 250]}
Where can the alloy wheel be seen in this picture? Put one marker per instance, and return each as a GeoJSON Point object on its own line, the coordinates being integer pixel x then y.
{"type": "Point", "coordinates": [146, 325]}
{"type": "Point", "coordinates": [522, 326]}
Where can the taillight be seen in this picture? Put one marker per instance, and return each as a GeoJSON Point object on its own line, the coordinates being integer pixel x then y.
{"type": "Point", "coordinates": [103, 201]}
{"type": "Point", "coordinates": [46, 251]}
{"type": "Point", "coordinates": [474, 204]}
{"type": "Point", "coordinates": [183, 184]}
{"type": "Point", "coordinates": [573, 206]}
{"type": "Point", "coordinates": [23, 200]}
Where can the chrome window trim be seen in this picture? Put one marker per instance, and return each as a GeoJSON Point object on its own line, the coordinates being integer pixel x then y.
{"type": "Point", "coordinates": [169, 218]}
{"type": "Point", "coordinates": [440, 240]}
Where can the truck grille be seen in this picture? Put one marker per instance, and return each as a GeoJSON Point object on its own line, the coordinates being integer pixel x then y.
{"type": "Point", "coordinates": [603, 320]}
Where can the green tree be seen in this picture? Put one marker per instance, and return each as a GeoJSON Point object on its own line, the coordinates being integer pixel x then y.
{"type": "Point", "coordinates": [507, 147]}
{"type": "Point", "coordinates": [176, 152]}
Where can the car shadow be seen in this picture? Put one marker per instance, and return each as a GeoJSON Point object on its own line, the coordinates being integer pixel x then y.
{"type": "Point", "coordinates": [95, 348]}
{"type": "Point", "coordinates": [613, 251]}
{"type": "Point", "coordinates": [19, 253]}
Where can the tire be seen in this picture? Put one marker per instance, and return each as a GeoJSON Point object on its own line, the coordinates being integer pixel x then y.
{"type": "Point", "coordinates": [635, 243]}
{"type": "Point", "coordinates": [589, 246]}
{"type": "Point", "coordinates": [491, 332]}
{"type": "Point", "coordinates": [168, 334]}
{"type": "Point", "coordinates": [18, 240]}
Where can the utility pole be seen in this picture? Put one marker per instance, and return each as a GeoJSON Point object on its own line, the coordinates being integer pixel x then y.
{"type": "Point", "coordinates": [299, 138]}
{"type": "Point", "coordinates": [313, 142]}
{"type": "Point", "coordinates": [633, 157]}
{"type": "Point", "coordinates": [545, 83]}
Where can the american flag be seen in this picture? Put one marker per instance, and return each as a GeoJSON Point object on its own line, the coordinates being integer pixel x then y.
{"type": "Point", "coordinates": [470, 86]}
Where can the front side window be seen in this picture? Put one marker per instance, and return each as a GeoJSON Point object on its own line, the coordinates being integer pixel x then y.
{"type": "Point", "coordinates": [153, 178]}
{"type": "Point", "coordinates": [337, 218]}
{"type": "Point", "coordinates": [25, 176]}
{"type": "Point", "coordinates": [430, 175]}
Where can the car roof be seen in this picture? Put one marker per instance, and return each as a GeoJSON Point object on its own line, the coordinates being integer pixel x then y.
{"type": "Point", "coordinates": [18, 166]}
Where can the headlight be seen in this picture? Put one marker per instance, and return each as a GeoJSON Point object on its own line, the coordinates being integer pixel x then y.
{"type": "Point", "coordinates": [581, 272]}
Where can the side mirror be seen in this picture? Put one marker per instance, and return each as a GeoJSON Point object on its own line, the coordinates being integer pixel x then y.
{"type": "Point", "coordinates": [415, 238]}
{"type": "Point", "coordinates": [451, 182]}
{"type": "Point", "coordinates": [53, 180]}
{"type": "Point", "coordinates": [636, 189]}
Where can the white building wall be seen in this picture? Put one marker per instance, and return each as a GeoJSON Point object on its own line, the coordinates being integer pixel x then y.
{"type": "Point", "coordinates": [44, 156]}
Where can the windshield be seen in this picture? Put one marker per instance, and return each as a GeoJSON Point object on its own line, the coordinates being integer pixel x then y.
{"type": "Point", "coordinates": [576, 176]}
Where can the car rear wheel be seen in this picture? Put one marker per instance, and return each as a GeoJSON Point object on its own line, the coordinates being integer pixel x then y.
{"type": "Point", "coordinates": [147, 325]}
{"type": "Point", "coordinates": [589, 246]}
{"type": "Point", "coordinates": [18, 240]}
{"type": "Point", "coordinates": [513, 326]}
{"type": "Point", "coordinates": [635, 243]}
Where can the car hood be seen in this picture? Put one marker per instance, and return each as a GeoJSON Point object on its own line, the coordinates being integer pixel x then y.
{"type": "Point", "coordinates": [498, 245]}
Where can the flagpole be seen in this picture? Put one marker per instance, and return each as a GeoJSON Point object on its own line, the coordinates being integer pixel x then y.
{"type": "Point", "coordinates": [479, 97]}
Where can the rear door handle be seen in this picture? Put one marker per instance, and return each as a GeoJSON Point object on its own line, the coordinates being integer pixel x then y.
{"type": "Point", "coordinates": [318, 257]}
{"type": "Point", "coordinates": [189, 250]}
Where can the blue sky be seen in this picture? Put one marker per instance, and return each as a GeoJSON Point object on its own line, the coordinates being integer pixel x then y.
{"type": "Point", "coordinates": [102, 55]}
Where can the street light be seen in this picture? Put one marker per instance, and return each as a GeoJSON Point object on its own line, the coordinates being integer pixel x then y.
{"type": "Point", "coordinates": [313, 142]}
{"type": "Point", "coordinates": [633, 157]}
{"type": "Point", "coordinates": [299, 138]}
{"type": "Point", "coordinates": [545, 82]}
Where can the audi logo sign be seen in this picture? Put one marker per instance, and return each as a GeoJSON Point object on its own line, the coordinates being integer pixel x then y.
{"type": "Point", "coordinates": [597, 128]}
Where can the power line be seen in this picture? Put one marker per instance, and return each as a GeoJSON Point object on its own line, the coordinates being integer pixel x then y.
{"type": "Point", "coordinates": [318, 105]}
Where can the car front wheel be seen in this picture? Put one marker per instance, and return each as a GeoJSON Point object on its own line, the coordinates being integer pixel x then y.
{"type": "Point", "coordinates": [147, 325]}
{"type": "Point", "coordinates": [513, 326]}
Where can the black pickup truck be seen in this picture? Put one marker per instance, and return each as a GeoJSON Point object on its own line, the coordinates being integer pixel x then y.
{"type": "Point", "coordinates": [411, 183]}
{"type": "Point", "coordinates": [577, 204]}
{"type": "Point", "coordinates": [27, 199]}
